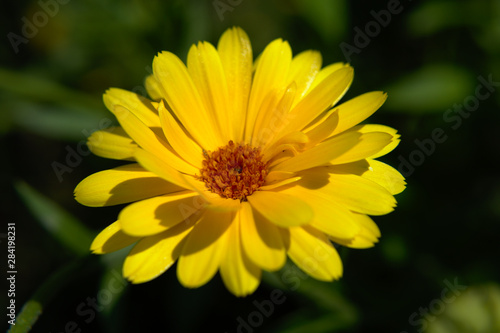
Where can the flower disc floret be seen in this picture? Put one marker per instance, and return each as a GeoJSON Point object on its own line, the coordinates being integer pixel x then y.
{"type": "Point", "coordinates": [234, 171]}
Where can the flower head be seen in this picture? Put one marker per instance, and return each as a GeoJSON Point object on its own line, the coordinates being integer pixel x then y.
{"type": "Point", "coordinates": [238, 164]}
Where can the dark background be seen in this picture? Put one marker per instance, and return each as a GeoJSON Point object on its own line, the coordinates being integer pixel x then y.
{"type": "Point", "coordinates": [430, 56]}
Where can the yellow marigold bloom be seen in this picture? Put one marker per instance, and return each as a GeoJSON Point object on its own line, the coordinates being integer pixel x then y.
{"type": "Point", "coordinates": [238, 164]}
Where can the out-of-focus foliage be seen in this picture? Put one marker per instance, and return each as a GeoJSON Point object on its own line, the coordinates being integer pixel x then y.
{"type": "Point", "coordinates": [477, 310]}
{"type": "Point", "coordinates": [65, 228]}
{"type": "Point", "coordinates": [429, 56]}
{"type": "Point", "coordinates": [429, 89]}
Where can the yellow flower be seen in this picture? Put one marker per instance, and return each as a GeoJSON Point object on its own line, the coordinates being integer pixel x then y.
{"type": "Point", "coordinates": [238, 164]}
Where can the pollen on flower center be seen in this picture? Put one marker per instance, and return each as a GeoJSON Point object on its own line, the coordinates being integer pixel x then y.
{"type": "Point", "coordinates": [233, 171]}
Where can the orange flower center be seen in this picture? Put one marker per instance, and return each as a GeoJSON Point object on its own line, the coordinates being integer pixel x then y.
{"type": "Point", "coordinates": [233, 171]}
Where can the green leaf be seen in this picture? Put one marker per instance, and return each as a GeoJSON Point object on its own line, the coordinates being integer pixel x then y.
{"type": "Point", "coordinates": [433, 88]}
{"type": "Point", "coordinates": [48, 108]}
{"type": "Point", "coordinates": [477, 309]}
{"type": "Point", "coordinates": [6, 120]}
{"type": "Point", "coordinates": [434, 16]}
{"type": "Point", "coordinates": [32, 87]}
{"type": "Point", "coordinates": [27, 317]}
{"type": "Point", "coordinates": [60, 123]}
{"type": "Point", "coordinates": [329, 18]}
{"type": "Point", "coordinates": [64, 227]}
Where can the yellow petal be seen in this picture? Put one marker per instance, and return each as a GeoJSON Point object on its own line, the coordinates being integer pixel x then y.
{"type": "Point", "coordinates": [153, 88]}
{"type": "Point", "coordinates": [261, 239]}
{"type": "Point", "coordinates": [326, 72]}
{"type": "Point", "coordinates": [161, 167]}
{"type": "Point", "coordinates": [287, 151]}
{"type": "Point", "coordinates": [205, 68]}
{"type": "Point", "coordinates": [325, 94]}
{"type": "Point", "coordinates": [321, 154]}
{"type": "Point", "coordinates": [380, 128]}
{"type": "Point", "coordinates": [303, 70]}
{"type": "Point", "coordinates": [312, 252]}
{"type": "Point", "coordinates": [204, 248]}
{"type": "Point", "coordinates": [281, 209]}
{"type": "Point", "coordinates": [239, 274]}
{"type": "Point", "coordinates": [329, 216]}
{"type": "Point", "coordinates": [358, 109]}
{"type": "Point", "coordinates": [182, 143]}
{"type": "Point", "coordinates": [150, 140]}
{"type": "Point", "coordinates": [216, 202]}
{"type": "Point", "coordinates": [277, 176]}
{"type": "Point", "coordinates": [120, 185]}
{"type": "Point", "coordinates": [140, 106]}
{"type": "Point", "coordinates": [367, 128]}
{"type": "Point", "coordinates": [111, 239]}
{"type": "Point", "coordinates": [154, 255]}
{"type": "Point", "coordinates": [386, 176]}
{"type": "Point", "coordinates": [323, 129]}
{"type": "Point", "coordinates": [296, 140]}
{"type": "Point", "coordinates": [367, 236]}
{"type": "Point", "coordinates": [112, 143]}
{"type": "Point", "coordinates": [279, 183]}
{"type": "Point", "coordinates": [235, 53]}
{"type": "Point", "coordinates": [152, 216]}
{"type": "Point", "coordinates": [272, 115]}
{"type": "Point", "coordinates": [270, 74]}
{"type": "Point", "coordinates": [358, 242]}
{"type": "Point", "coordinates": [376, 171]}
{"type": "Point", "coordinates": [367, 224]}
{"type": "Point", "coordinates": [387, 149]}
{"type": "Point", "coordinates": [369, 144]}
{"type": "Point", "coordinates": [184, 99]}
{"type": "Point", "coordinates": [356, 193]}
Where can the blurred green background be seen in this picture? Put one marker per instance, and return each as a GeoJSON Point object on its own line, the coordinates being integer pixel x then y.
{"type": "Point", "coordinates": [436, 266]}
